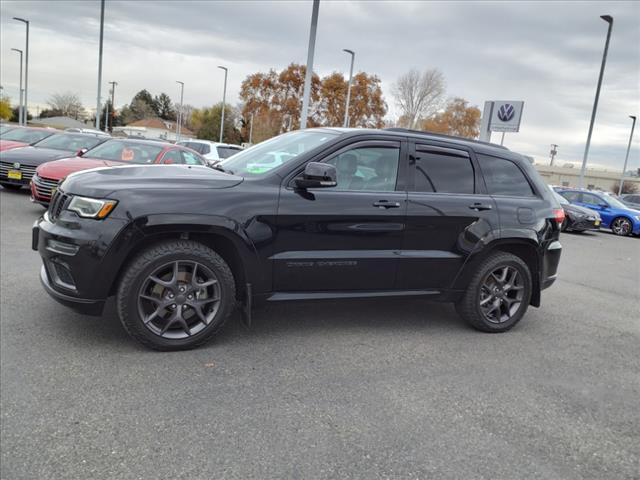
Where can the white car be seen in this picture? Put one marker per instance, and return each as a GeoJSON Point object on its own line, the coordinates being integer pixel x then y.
{"type": "Point", "coordinates": [212, 151]}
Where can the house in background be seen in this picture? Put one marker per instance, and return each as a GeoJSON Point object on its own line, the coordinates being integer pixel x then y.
{"type": "Point", "coordinates": [153, 128]}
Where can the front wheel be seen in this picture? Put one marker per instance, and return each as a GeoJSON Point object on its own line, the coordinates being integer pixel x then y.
{"type": "Point", "coordinates": [621, 226]}
{"type": "Point", "coordinates": [498, 294]}
{"type": "Point", "coordinates": [176, 295]}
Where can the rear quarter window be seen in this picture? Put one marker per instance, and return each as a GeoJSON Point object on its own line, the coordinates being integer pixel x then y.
{"type": "Point", "coordinates": [504, 177]}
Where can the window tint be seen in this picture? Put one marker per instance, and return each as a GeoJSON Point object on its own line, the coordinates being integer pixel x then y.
{"type": "Point", "coordinates": [172, 157]}
{"type": "Point", "coordinates": [571, 196]}
{"type": "Point", "coordinates": [442, 173]}
{"type": "Point", "coordinates": [204, 149]}
{"type": "Point", "coordinates": [504, 177]}
{"type": "Point", "coordinates": [191, 158]}
{"type": "Point", "coordinates": [226, 152]}
{"type": "Point", "coordinates": [591, 199]}
{"type": "Point", "coordinates": [367, 168]}
{"type": "Point", "coordinates": [125, 151]}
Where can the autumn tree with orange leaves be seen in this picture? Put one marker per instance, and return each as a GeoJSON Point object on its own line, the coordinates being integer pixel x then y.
{"type": "Point", "coordinates": [458, 118]}
{"type": "Point", "coordinates": [275, 101]}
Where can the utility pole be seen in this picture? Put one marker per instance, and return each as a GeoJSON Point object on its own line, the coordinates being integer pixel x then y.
{"type": "Point", "coordinates": [553, 152]}
{"type": "Point", "coordinates": [609, 20]}
{"type": "Point", "coordinates": [309, 72]}
{"type": "Point", "coordinates": [179, 127]}
{"type": "Point", "coordinates": [346, 107]}
{"type": "Point", "coordinates": [113, 105]}
{"type": "Point", "coordinates": [224, 99]}
{"type": "Point", "coordinates": [100, 64]}
{"type": "Point", "coordinates": [20, 105]}
{"type": "Point", "coordinates": [626, 158]}
{"type": "Point", "coordinates": [25, 115]}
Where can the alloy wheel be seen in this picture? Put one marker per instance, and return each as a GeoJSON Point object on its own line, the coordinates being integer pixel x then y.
{"type": "Point", "coordinates": [501, 294]}
{"type": "Point", "coordinates": [179, 299]}
{"type": "Point", "coordinates": [621, 226]}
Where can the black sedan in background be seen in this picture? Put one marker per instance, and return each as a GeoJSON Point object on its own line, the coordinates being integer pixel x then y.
{"type": "Point", "coordinates": [18, 165]}
{"type": "Point", "coordinates": [576, 218]}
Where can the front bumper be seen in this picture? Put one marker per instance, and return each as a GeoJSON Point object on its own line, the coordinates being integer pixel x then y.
{"type": "Point", "coordinates": [79, 263]}
{"type": "Point", "coordinates": [7, 170]}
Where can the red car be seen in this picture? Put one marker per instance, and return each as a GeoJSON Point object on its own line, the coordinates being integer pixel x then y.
{"type": "Point", "coordinates": [111, 153]}
{"type": "Point", "coordinates": [23, 136]}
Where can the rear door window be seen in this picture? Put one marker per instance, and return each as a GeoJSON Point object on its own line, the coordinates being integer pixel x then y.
{"type": "Point", "coordinates": [439, 171]}
{"type": "Point", "coordinates": [590, 199]}
{"type": "Point", "coordinates": [504, 177]}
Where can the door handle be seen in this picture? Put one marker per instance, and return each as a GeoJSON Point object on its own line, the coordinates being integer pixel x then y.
{"type": "Point", "coordinates": [478, 207]}
{"type": "Point", "coordinates": [386, 204]}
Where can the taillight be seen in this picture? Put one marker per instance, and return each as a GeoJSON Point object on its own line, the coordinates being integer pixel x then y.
{"type": "Point", "coordinates": [558, 214]}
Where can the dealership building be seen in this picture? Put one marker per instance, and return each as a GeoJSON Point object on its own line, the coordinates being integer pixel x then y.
{"type": "Point", "coordinates": [569, 176]}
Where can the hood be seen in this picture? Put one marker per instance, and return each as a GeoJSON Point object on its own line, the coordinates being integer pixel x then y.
{"type": "Point", "coordinates": [10, 144]}
{"type": "Point", "coordinates": [59, 169]}
{"type": "Point", "coordinates": [102, 182]}
{"type": "Point", "coordinates": [34, 156]}
{"type": "Point", "coordinates": [580, 210]}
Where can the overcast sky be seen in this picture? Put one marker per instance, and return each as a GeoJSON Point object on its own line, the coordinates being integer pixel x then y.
{"type": "Point", "coordinates": [545, 53]}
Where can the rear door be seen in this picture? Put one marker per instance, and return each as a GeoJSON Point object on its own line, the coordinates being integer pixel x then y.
{"type": "Point", "coordinates": [344, 238]}
{"type": "Point", "coordinates": [448, 214]}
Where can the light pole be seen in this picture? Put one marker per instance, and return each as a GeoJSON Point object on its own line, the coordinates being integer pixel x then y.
{"type": "Point", "coordinates": [20, 106]}
{"type": "Point", "coordinates": [553, 152]}
{"type": "Point", "coordinates": [309, 72]}
{"type": "Point", "coordinates": [113, 106]}
{"type": "Point", "coordinates": [179, 128]}
{"type": "Point", "coordinates": [626, 158]}
{"type": "Point", "coordinates": [26, 70]}
{"type": "Point", "coordinates": [100, 64]}
{"type": "Point", "coordinates": [609, 20]}
{"type": "Point", "coordinates": [346, 108]}
{"type": "Point", "coordinates": [224, 99]}
{"type": "Point", "coordinates": [251, 130]}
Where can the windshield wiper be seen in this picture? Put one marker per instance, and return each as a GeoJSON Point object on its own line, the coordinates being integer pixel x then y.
{"type": "Point", "coordinates": [219, 167]}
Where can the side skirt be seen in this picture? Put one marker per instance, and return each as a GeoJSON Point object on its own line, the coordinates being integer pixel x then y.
{"type": "Point", "coordinates": [284, 296]}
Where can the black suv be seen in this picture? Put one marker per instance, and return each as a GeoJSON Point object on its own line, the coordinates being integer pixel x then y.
{"type": "Point", "coordinates": [323, 213]}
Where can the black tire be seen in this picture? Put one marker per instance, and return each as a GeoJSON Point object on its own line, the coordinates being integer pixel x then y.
{"type": "Point", "coordinates": [469, 307]}
{"type": "Point", "coordinates": [138, 274]}
{"type": "Point", "coordinates": [621, 226]}
{"type": "Point", "coordinates": [11, 186]}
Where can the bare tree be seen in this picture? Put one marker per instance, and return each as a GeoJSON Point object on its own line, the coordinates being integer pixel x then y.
{"type": "Point", "coordinates": [68, 104]}
{"type": "Point", "coordinates": [419, 95]}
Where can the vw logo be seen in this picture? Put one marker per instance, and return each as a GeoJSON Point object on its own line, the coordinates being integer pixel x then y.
{"type": "Point", "coordinates": [16, 165]}
{"type": "Point", "coordinates": [506, 112]}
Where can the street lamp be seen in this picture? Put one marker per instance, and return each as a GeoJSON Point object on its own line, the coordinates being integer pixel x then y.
{"type": "Point", "coordinates": [100, 64]}
{"type": "Point", "coordinates": [179, 128]}
{"type": "Point", "coordinates": [309, 72]}
{"type": "Point", "coordinates": [224, 99]}
{"type": "Point", "coordinates": [26, 70]}
{"type": "Point", "coordinates": [346, 108]}
{"type": "Point", "coordinates": [20, 107]}
{"type": "Point", "coordinates": [626, 158]}
{"type": "Point", "coordinates": [609, 20]}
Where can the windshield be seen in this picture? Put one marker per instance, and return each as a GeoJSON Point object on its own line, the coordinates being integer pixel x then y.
{"type": "Point", "coordinates": [614, 202]}
{"type": "Point", "coordinates": [6, 128]}
{"type": "Point", "coordinates": [274, 152]}
{"type": "Point", "coordinates": [68, 141]}
{"type": "Point", "coordinates": [125, 151]}
{"type": "Point", "coordinates": [26, 135]}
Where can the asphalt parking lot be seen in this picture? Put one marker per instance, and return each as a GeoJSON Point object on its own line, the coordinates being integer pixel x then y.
{"type": "Point", "coordinates": [357, 389]}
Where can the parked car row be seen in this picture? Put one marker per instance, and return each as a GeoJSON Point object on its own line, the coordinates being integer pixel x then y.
{"type": "Point", "coordinates": [41, 158]}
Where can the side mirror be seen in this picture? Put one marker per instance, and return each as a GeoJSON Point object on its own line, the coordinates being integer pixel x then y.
{"type": "Point", "coordinates": [81, 152]}
{"type": "Point", "coordinates": [318, 175]}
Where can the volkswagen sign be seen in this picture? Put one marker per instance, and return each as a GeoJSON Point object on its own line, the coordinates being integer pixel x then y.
{"type": "Point", "coordinates": [506, 112]}
{"type": "Point", "coordinates": [505, 116]}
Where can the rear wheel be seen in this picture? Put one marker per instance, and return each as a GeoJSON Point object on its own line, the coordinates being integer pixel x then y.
{"type": "Point", "coordinates": [10, 186]}
{"type": "Point", "coordinates": [498, 295]}
{"type": "Point", "coordinates": [176, 295]}
{"type": "Point", "coordinates": [621, 226]}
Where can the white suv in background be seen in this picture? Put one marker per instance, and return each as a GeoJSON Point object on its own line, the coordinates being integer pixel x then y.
{"type": "Point", "coordinates": [213, 152]}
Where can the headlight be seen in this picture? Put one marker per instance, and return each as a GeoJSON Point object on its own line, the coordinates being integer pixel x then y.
{"type": "Point", "coordinates": [91, 207]}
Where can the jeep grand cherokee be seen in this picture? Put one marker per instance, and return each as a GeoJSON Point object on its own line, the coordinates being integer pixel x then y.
{"type": "Point", "coordinates": [339, 213]}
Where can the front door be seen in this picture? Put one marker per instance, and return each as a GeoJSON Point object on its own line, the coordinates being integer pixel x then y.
{"type": "Point", "coordinates": [448, 214]}
{"type": "Point", "coordinates": [344, 238]}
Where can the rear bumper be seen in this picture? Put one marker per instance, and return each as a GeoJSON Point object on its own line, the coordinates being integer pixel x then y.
{"type": "Point", "coordinates": [550, 262]}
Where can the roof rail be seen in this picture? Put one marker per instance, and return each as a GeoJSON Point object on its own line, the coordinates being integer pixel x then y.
{"type": "Point", "coordinates": [442, 135]}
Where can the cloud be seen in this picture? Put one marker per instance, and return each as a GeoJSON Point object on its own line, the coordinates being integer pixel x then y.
{"type": "Point", "coordinates": [545, 53]}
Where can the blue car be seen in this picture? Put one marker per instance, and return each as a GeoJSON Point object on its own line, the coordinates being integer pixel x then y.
{"type": "Point", "coordinates": [621, 219]}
